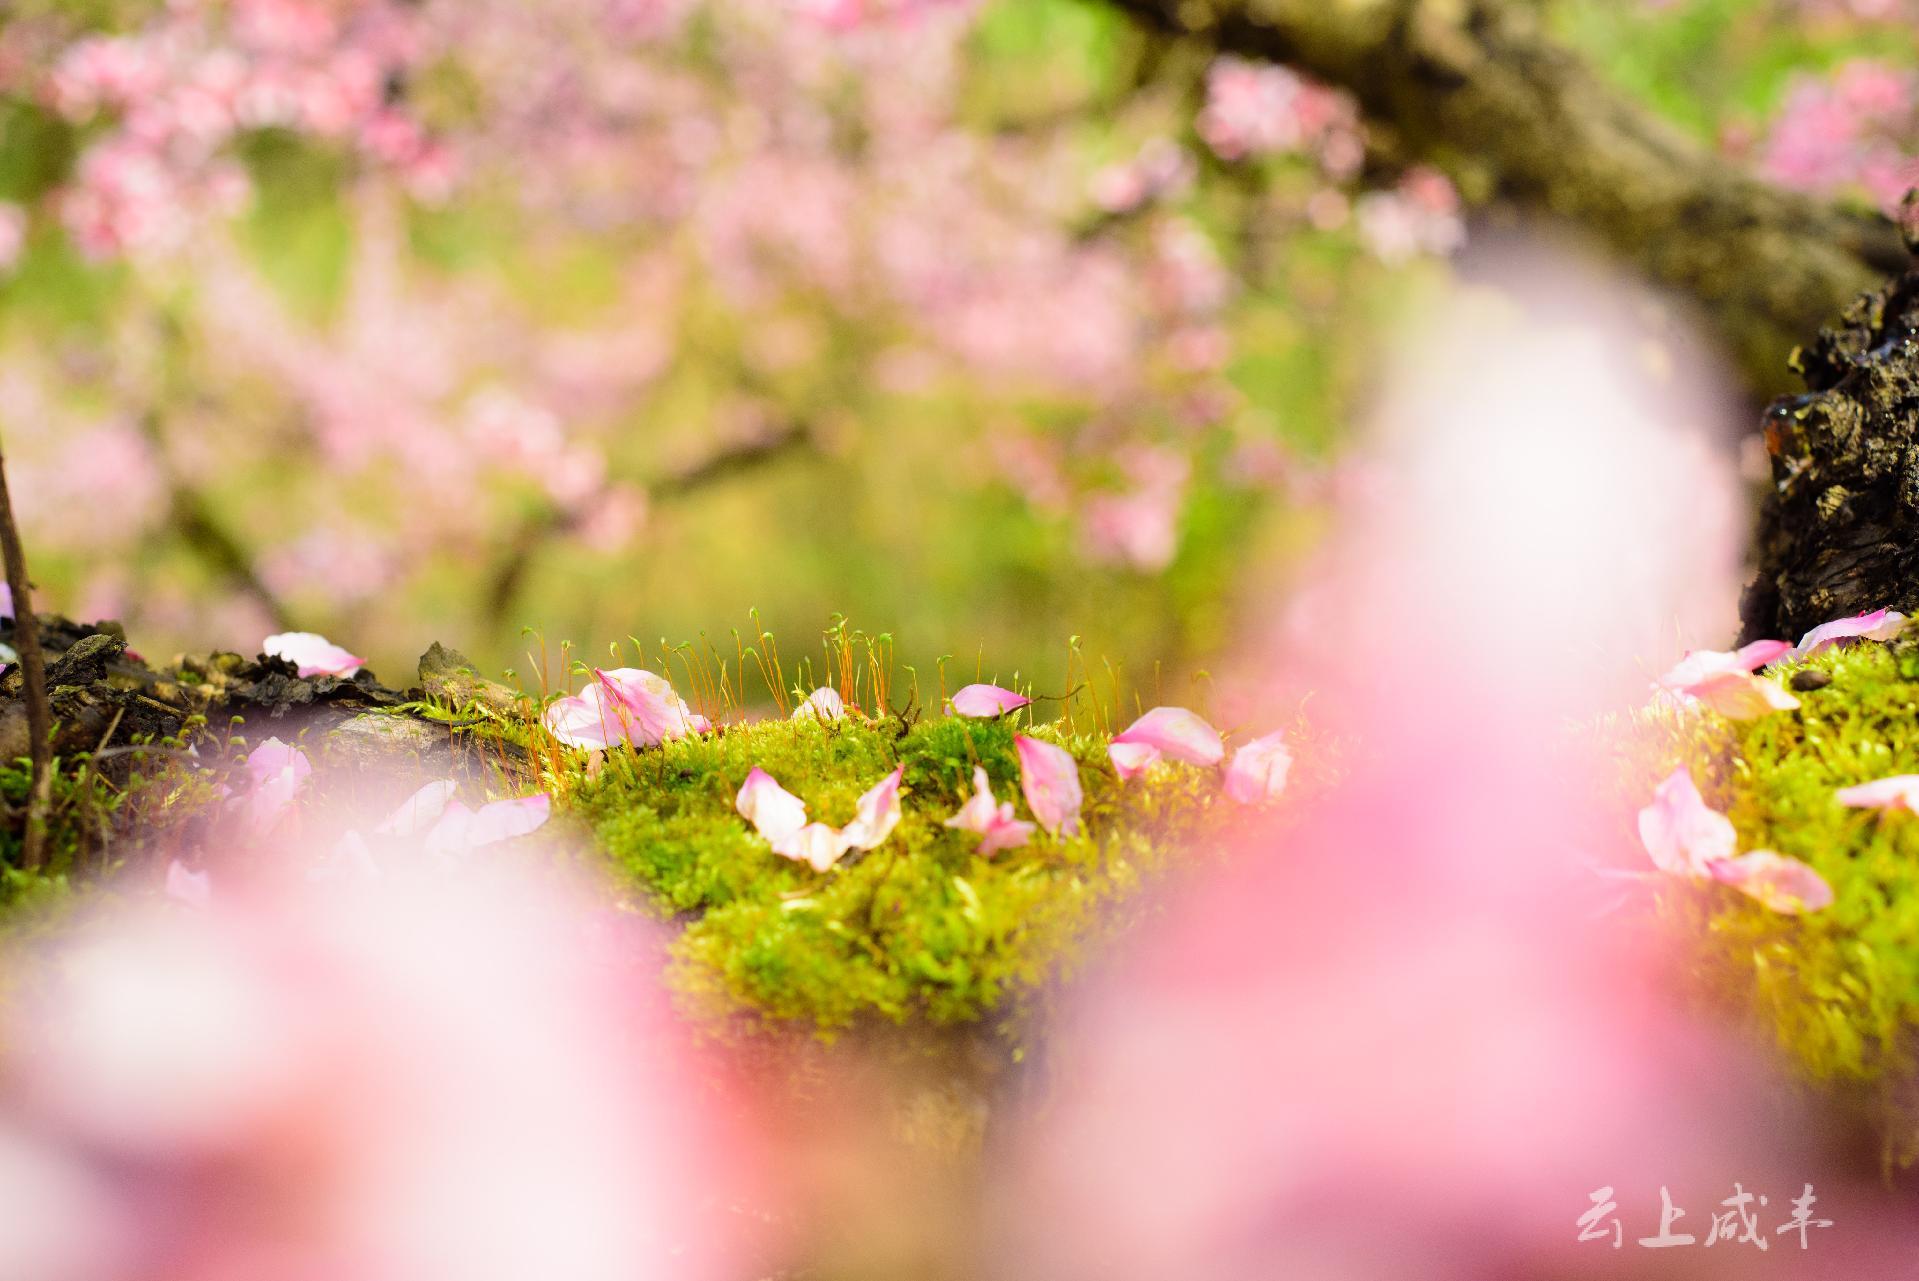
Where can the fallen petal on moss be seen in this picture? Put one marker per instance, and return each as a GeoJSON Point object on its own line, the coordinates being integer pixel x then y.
{"type": "Point", "coordinates": [819, 844]}
{"type": "Point", "coordinates": [1782, 883]}
{"type": "Point", "coordinates": [822, 704]}
{"type": "Point", "coordinates": [1878, 624]}
{"type": "Point", "coordinates": [1174, 732]}
{"type": "Point", "coordinates": [1049, 777]}
{"type": "Point", "coordinates": [992, 821]}
{"type": "Point", "coordinates": [649, 711]}
{"type": "Point", "coordinates": [586, 719]}
{"type": "Point", "coordinates": [981, 701]}
{"type": "Point", "coordinates": [774, 812]}
{"type": "Point", "coordinates": [1683, 835]}
{"type": "Point", "coordinates": [311, 654]}
{"type": "Point", "coordinates": [879, 813]}
{"type": "Point", "coordinates": [1742, 697]}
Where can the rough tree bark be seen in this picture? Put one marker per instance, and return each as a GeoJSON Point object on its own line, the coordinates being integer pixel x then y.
{"type": "Point", "coordinates": [1481, 89]}
{"type": "Point", "coordinates": [1839, 530]}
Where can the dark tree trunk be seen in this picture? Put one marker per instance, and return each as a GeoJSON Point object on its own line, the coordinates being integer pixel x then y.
{"type": "Point", "coordinates": [1839, 531]}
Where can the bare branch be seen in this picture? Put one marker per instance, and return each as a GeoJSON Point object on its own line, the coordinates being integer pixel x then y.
{"type": "Point", "coordinates": [33, 669]}
{"type": "Point", "coordinates": [723, 463]}
{"type": "Point", "coordinates": [1478, 87]}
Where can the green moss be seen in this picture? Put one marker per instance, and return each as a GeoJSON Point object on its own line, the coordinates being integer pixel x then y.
{"type": "Point", "coordinates": [1839, 987]}
{"type": "Point", "coordinates": [920, 928]}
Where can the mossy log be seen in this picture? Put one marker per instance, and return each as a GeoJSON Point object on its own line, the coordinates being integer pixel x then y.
{"type": "Point", "coordinates": [1839, 528]}
{"type": "Point", "coordinates": [1481, 88]}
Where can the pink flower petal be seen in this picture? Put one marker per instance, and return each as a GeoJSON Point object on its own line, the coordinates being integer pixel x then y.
{"type": "Point", "coordinates": [823, 704]}
{"type": "Point", "coordinates": [1900, 791]}
{"type": "Point", "coordinates": [994, 822]}
{"type": "Point", "coordinates": [1049, 777]}
{"type": "Point", "coordinates": [311, 654]}
{"type": "Point", "coordinates": [1781, 883]}
{"type": "Point", "coordinates": [1742, 697]}
{"type": "Point", "coordinates": [981, 701]}
{"type": "Point", "coordinates": [1683, 835]}
{"type": "Point", "coordinates": [195, 889]}
{"type": "Point", "coordinates": [774, 812]}
{"type": "Point", "coordinates": [1177, 733]}
{"type": "Point", "coordinates": [647, 706]}
{"type": "Point", "coordinates": [819, 844]}
{"type": "Point", "coordinates": [1701, 665]}
{"type": "Point", "coordinates": [6, 601]}
{"type": "Point", "coordinates": [1259, 769]}
{"type": "Point", "coordinates": [586, 719]}
{"type": "Point", "coordinates": [1130, 760]}
{"type": "Point", "coordinates": [419, 811]}
{"type": "Point", "coordinates": [1879, 625]}
{"type": "Point", "coordinates": [879, 813]}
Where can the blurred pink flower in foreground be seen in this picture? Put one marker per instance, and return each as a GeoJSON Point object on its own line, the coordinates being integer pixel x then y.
{"type": "Point", "coordinates": [276, 772]}
{"type": "Point", "coordinates": [1394, 1037]}
{"type": "Point", "coordinates": [1683, 835]}
{"type": "Point", "coordinates": [1259, 769]}
{"type": "Point", "coordinates": [462, 1077]}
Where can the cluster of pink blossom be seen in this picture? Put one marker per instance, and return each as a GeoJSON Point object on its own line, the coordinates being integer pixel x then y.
{"type": "Point", "coordinates": [1258, 108]}
{"type": "Point", "coordinates": [177, 91]}
{"type": "Point", "coordinates": [1858, 130]}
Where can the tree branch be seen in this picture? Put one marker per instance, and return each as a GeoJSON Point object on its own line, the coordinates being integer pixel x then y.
{"type": "Point", "coordinates": [728, 461]}
{"type": "Point", "coordinates": [33, 670]}
{"type": "Point", "coordinates": [1478, 87]}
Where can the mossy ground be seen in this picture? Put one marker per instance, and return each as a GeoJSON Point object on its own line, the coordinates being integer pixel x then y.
{"type": "Point", "coordinates": [920, 928]}
{"type": "Point", "coordinates": [1839, 988]}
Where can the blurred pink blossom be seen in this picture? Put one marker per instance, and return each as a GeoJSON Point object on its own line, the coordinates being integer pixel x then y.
{"type": "Point", "coordinates": [1258, 770]}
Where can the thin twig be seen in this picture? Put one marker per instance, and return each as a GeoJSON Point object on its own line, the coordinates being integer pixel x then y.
{"type": "Point", "coordinates": [33, 668]}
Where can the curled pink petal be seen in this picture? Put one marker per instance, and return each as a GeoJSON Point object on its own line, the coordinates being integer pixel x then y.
{"type": "Point", "coordinates": [1130, 760]}
{"type": "Point", "coordinates": [819, 844]}
{"type": "Point", "coordinates": [1681, 833]}
{"type": "Point", "coordinates": [587, 719]}
{"type": "Point", "coordinates": [994, 822]}
{"type": "Point", "coordinates": [1701, 665]}
{"type": "Point", "coordinates": [1879, 625]}
{"type": "Point", "coordinates": [879, 813]}
{"type": "Point", "coordinates": [1175, 732]}
{"type": "Point", "coordinates": [1742, 697]}
{"type": "Point", "coordinates": [774, 812]}
{"type": "Point", "coordinates": [1259, 768]}
{"type": "Point", "coordinates": [311, 654]}
{"type": "Point", "coordinates": [1782, 883]}
{"type": "Point", "coordinates": [648, 709]}
{"type": "Point", "coordinates": [823, 704]}
{"type": "Point", "coordinates": [419, 811]}
{"type": "Point", "coordinates": [1049, 777]}
{"type": "Point", "coordinates": [1900, 791]}
{"type": "Point", "coordinates": [195, 889]}
{"type": "Point", "coordinates": [982, 701]}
